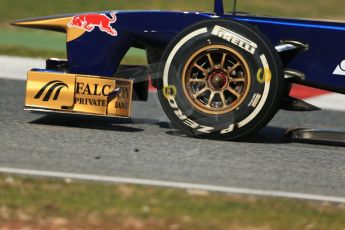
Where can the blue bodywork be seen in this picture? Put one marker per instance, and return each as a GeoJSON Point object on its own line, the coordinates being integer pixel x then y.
{"type": "Point", "coordinates": [326, 47]}
{"type": "Point", "coordinates": [97, 53]}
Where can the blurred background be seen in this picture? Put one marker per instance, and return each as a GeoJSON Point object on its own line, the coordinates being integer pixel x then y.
{"type": "Point", "coordinates": [31, 203]}
{"type": "Point", "coordinates": [32, 43]}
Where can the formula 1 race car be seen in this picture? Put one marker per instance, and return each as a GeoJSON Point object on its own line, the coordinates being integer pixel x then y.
{"type": "Point", "coordinates": [218, 75]}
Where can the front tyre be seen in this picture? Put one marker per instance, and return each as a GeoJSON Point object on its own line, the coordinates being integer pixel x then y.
{"type": "Point", "coordinates": [220, 79]}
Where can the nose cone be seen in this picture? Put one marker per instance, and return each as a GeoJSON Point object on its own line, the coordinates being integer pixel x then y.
{"type": "Point", "coordinates": [55, 23]}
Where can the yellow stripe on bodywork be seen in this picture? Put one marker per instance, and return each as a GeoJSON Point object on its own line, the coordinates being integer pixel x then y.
{"type": "Point", "coordinates": [55, 24]}
{"type": "Point", "coordinates": [74, 33]}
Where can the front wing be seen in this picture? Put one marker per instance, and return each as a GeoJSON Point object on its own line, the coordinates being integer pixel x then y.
{"type": "Point", "coordinates": [82, 94]}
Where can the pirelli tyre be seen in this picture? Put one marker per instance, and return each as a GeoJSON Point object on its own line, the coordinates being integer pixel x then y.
{"type": "Point", "coordinates": [220, 79]}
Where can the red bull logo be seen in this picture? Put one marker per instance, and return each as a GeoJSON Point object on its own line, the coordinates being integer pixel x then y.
{"type": "Point", "coordinates": [89, 22]}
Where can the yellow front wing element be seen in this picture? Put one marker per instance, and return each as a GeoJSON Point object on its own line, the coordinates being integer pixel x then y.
{"type": "Point", "coordinates": [47, 90]}
{"type": "Point", "coordinates": [69, 93]}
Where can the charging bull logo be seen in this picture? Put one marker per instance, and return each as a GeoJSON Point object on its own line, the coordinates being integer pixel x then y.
{"type": "Point", "coordinates": [88, 22]}
{"type": "Point", "coordinates": [52, 86]}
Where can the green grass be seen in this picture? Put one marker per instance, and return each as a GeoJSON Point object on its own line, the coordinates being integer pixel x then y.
{"type": "Point", "coordinates": [29, 202]}
{"type": "Point", "coordinates": [23, 51]}
{"type": "Point", "coordinates": [35, 39]}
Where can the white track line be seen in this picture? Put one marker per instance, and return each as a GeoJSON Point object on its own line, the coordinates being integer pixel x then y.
{"type": "Point", "coordinates": [16, 68]}
{"type": "Point", "coordinates": [168, 184]}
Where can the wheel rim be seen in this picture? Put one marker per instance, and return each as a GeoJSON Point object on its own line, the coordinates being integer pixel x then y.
{"type": "Point", "coordinates": [216, 79]}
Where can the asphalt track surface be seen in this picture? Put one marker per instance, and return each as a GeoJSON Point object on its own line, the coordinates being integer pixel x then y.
{"type": "Point", "coordinates": [146, 147]}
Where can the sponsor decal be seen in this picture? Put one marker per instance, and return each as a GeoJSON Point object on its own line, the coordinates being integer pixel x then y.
{"type": "Point", "coordinates": [169, 91]}
{"type": "Point", "coordinates": [228, 130]}
{"type": "Point", "coordinates": [46, 90]}
{"type": "Point", "coordinates": [121, 95]}
{"type": "Point", "coordinates": [103, 96]}
{"type": "Point", "coordinates": [340, 69]}
{"type": "Point", "coordinates": [264, 76]}
{"type": "Point", "coordinates": [192, 124]}
{"type": "Point", "coordinates": [79, 93]}
{"type": "Point", "coordinates": [83, 90]}
{"type": "Point", "coordinates": [89, 22]}
{"type": "Point", "coordinates": [263, 97]}
{"type": "Point", "coordinates": [120, 100]}
{"type": "Point", "coordinates": [169, 94]}
{"type": "Point", "coordinates": [49, 89]}
{"type": "Point", "coordinates": [255, 100]}
{"type": "Point", "coordinates": [235, 39]}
